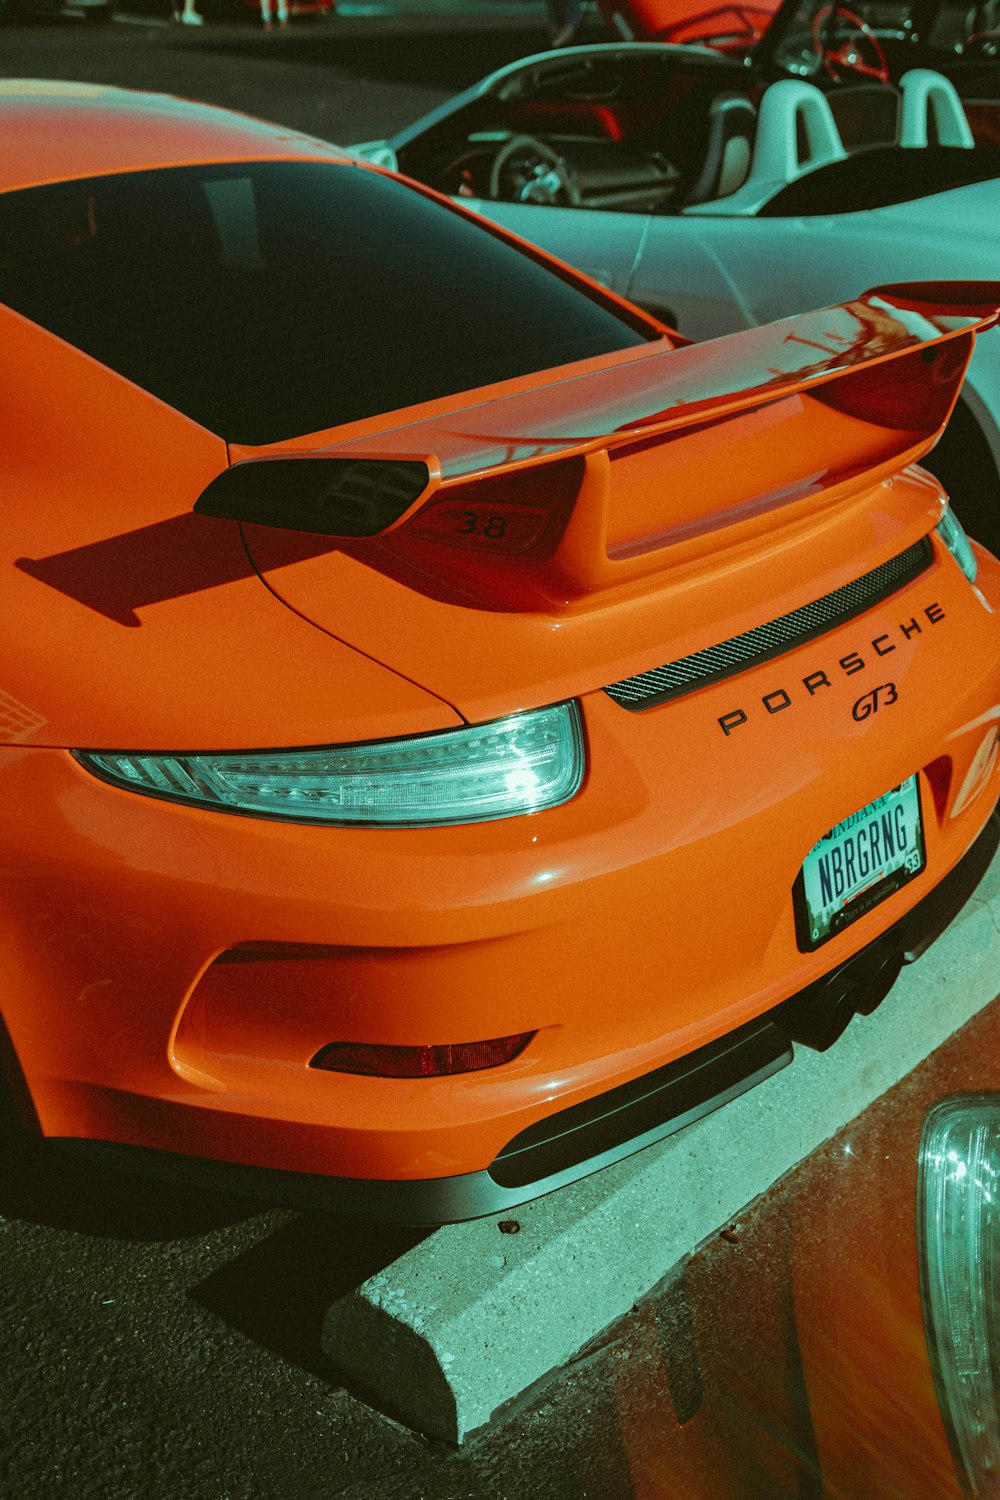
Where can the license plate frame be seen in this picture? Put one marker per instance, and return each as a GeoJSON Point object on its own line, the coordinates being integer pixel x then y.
{"type": "Point", "coordinates": [859, 863]}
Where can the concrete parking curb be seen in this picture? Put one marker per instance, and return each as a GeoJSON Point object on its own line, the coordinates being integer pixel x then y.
{"type": "Point", "coordinates": [472, 1316]}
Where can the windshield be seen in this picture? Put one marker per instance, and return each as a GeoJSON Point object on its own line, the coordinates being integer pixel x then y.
{"type": "Point", "coordinates": [275, 299]}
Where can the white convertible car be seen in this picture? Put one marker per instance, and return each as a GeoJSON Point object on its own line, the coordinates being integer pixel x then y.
{"type": "Point", "coordinates": [719, 207]}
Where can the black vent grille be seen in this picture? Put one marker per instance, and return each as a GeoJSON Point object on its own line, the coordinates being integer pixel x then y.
{"type": "Point", "coordinates": [739, 653]}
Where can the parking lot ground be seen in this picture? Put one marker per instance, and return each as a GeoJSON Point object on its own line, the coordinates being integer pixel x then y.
{"type": "Point", "coordinates": [345, 78]}
{"type": "Point", "coordinates": [167, 1344]}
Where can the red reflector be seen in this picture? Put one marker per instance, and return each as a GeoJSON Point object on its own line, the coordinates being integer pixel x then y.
{"type": "Point", "coordinates": [487, 527]}
{"type": "Point", "coordinates": [419, 1062]}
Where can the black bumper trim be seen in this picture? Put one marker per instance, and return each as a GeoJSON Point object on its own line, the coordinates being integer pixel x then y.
{"type": "Point", "coordinates": [657, 1103]}
{"type": "Point", "coordinates": [741, 652]}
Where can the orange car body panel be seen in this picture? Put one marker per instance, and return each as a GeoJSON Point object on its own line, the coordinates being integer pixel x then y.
{"type": "Point", "coordinates": [120, 549]}
{"type": "Point", "coordinates": [49, 133]}
{"type": "Point", "coordinates": [797, 1338]}
{"type": "Point", "coordinates": [171, 970]}
{"type": "Point", "coordinates": [504, 927]}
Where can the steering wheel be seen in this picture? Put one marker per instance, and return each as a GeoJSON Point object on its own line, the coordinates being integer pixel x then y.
{"type": "Point", "coordinates": [982, 44]}
{"type": "Point", "coordinates": [845, 57]}
{"type": "Point", "coordinates": [526, 170]}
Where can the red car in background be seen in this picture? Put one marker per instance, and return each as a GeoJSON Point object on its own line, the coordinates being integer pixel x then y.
{"type": "Point", "coordinates": [866, 41]}
{"type": "Point", "coordinates": [295, 8]}
{"type": "Point", "coordinates": [247, 9]}
{"type": "Point", "coordinates": [728, 28]}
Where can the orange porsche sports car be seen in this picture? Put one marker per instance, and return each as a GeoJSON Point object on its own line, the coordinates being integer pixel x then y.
{"type": "Point", "coordinates": [455, 731]}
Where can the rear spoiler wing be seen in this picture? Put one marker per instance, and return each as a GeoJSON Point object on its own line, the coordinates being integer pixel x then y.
{"type": "Point", "coordinates": [740, 425]}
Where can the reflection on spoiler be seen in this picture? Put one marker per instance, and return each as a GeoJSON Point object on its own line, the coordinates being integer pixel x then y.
{"type": "Point", "coordinates": [663, 389]}
{"type": "Point", "coordinates": [740, 425]}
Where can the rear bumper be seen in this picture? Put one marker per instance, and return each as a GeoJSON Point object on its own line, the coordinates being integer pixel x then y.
{"type": "Point", "coordinates": [646, 920]}
{"type": "Point", "coordinates": [581, 1140]}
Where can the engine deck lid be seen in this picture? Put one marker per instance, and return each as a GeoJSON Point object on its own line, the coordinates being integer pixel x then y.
{"type": "Point", "coordinates": [539, 542]}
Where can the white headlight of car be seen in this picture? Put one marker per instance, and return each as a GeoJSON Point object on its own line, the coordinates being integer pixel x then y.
{"type": "Point", "coordinates": [952, 533]}
{"type": "Point", "coordinates": [516, 765]}
{"type": "Point", "coordinates": [960, 1265]}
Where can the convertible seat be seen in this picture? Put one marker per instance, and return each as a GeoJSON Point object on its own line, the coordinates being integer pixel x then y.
{"type": "Point", "coordinates": [978, 86]}
{"type": "Point", "coordinates": [866, 114]}
{"type": "Point", "coordinates": [732, 121]}
{"type": "Point", "coordinates": [796, 132]}
{"type": "Point", "coordinates": [924, 110]}
{"type": "Point", "coordinates": [932, 111]}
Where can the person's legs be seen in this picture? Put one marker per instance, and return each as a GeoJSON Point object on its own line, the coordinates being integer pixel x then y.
{"type": "Point", "coordinates": [266, 12]}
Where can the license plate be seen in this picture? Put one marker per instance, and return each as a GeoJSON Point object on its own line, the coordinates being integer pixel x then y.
{"type": "Point", "coordinates": [858, 864]}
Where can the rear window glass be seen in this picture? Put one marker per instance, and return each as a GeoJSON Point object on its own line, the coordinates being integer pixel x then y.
{"type": "Point", "coordinates": [279, 298]}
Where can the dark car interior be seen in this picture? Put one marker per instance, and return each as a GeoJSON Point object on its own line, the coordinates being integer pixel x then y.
{"type": "Point", "coordinates": [643, 136]}
{"type": "Point", "coordinates": [661, 130]}
{"type": "Point", "coordinates": [879, 176]}
{"type": "Point", "coordinates": [612, 131]}
{"type": "Point", "coordinates": [177, 279]}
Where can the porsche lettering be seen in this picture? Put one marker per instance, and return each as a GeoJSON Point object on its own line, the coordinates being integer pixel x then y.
{"type": "Point", "coordinates": [880, 697]}
{"type": "Point", "coordinates": [848, 665]}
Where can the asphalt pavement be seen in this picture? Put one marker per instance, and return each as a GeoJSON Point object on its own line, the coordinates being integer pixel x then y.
{"type": "Point", "coordinates": [345, 78]}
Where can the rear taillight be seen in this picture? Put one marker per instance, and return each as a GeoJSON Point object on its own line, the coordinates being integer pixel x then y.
{"type": "Point", "coordinates": [419, 1062]}
{"type": "Point", "coordinates": [952, 533]}
{"type": "Point", "coordinates": [525, 763]}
